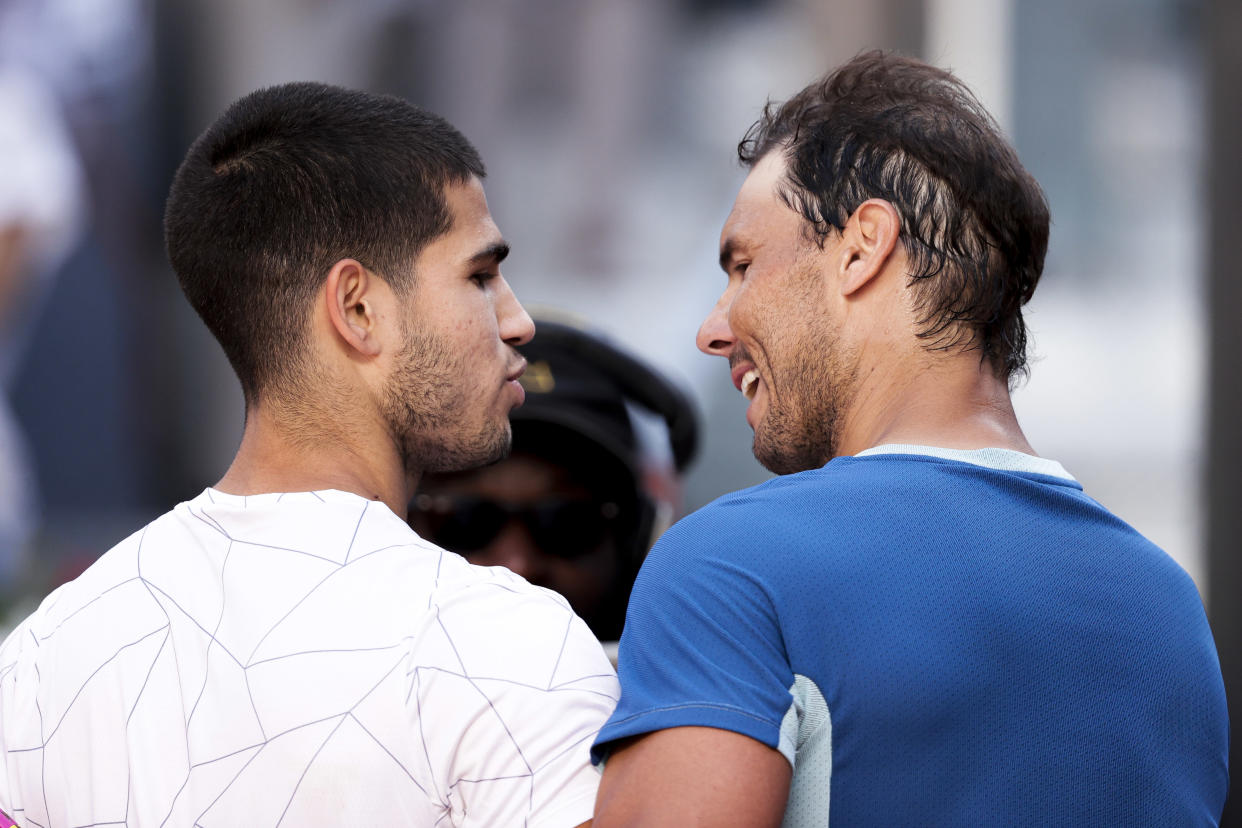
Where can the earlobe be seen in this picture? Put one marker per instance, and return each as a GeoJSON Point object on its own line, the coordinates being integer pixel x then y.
{"type": "Point", "coordinates": [348, 295]}
{"type": "Point", "coordinates": [870, 235]}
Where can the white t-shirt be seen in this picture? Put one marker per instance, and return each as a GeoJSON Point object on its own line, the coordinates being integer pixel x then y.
{"type": "Point", "coordinates": [298, 659]}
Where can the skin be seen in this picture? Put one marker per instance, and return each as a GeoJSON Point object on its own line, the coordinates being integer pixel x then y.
{"type": "Point", "coordinates": [400, 383]}
{"type": "Point", "coordinates": [858, 316]}
{"type": "Point", "coordinates": [832, 332]}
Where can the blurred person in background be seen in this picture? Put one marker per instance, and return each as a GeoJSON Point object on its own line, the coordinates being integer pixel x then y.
{"type": "Point", "coordinates": [598, 450]}
{"type": "Point", "coordinates": [919, 621]}
{"type": "Point", "coordinates": [41, 206]}
{"type": "Point", "coordinates": [77, 158]}
{"type": "Point", "coordinates": [283, 647]}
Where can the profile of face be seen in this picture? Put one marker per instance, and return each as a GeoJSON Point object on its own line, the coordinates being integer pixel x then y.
{"type": "Point", "coordinates": [774, 324]}
{"type": "Point", "coordinates": [531, 516]}
{"type": "Point", "coordinates": [455, 379]}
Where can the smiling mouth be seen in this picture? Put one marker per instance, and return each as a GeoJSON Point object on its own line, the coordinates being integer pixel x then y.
{"type": "Point", "coordinates": [750, 383]}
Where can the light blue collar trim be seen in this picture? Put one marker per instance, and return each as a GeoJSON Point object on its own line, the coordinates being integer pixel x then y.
{"type": "Point", "coordinates": [992, 458]}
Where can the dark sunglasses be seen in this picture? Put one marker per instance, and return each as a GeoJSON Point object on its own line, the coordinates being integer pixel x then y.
{"type": "Point", "coordinates": [566, 528]}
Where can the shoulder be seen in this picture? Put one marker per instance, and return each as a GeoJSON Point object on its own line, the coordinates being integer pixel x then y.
{"type": "Point", "coordinates": [490, 615]}
{"type": "Point", "coordinates": [740, 509]}
{"type": "Point", "coordinates": [821, 521]}
{"type": "Point", "coordinates": [786, 495]}
{"type": "Point", "coordinates": [849, 494]}
{"type": "Point", "coordinates": [106, 607]}
{"type": "Point", "coordinates": [516, 687]}
{"type": "Point", "coordinates": [110, 579]}
{"type": "Point", "coordinates": [767, 517]}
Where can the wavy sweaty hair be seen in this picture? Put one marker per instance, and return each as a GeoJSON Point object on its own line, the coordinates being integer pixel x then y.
{"type": "Point", "coordinates": [974, 222]}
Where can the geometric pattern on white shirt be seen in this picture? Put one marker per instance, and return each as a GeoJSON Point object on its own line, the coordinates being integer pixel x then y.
{"type": "Point", "coordinates": [298, 659]}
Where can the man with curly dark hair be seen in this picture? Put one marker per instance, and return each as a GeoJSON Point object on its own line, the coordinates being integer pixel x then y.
{"type": "Point", "coordinates": [919, 621]}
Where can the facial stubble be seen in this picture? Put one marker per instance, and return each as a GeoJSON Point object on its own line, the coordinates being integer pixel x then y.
{"type": "Point", "coordinates": [808, 391]}
{"type": "Point", "coordinates": [431, 414]}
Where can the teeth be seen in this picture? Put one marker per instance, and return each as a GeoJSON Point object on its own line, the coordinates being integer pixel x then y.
{"type": "Point", "coordinates": [750, 381]}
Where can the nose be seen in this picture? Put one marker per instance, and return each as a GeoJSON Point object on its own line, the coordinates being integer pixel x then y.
{"type": "Point", "coordinates": [515, 550]}
{"type": "Point", "coordinates": [516, 326]}
{"type": "Point", "coordinates": [715, 337]}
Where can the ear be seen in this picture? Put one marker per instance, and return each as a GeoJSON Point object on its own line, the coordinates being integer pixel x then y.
{"type": "Point", "coordinates": [349, 294]}
{"type": "Point", "coordinates": [869, 238]}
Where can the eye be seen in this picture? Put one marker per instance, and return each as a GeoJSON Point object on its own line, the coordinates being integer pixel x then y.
{"type": "Point", "coordinates": [481, 279]}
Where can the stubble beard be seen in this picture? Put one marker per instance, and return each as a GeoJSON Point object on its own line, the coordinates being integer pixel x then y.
{"type": "Point", "coordinates": [801, 427]}
{"type": "Point", "coordinates": [429, 413]}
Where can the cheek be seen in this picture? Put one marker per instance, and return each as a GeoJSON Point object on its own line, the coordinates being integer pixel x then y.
{"type": "Point", "coordinates": [784, 301]}
{"type": "Point", "coordinates": [742, 309]}
{"type": "Point", "coordinates": [481, 325]}
{"type": "Point", "coordinates": [473, 339]}
{"type": "Point", "coordinates": [756, 315]}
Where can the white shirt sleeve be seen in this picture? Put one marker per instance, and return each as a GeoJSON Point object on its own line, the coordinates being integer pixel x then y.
{"type": "Point", "coordinates": [519, 690]}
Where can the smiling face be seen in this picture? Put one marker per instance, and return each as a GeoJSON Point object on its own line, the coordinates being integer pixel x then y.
{"type": "Point", "coordinates": [775, 324]}
{"type": "Point", "coordinates": [454, 380]}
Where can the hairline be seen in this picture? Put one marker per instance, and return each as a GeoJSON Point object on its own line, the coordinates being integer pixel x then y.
{"type": "Point", "coordinates": [948, 336]}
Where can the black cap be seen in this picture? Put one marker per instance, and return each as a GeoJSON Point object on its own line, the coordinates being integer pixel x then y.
{"type": "Point", "coordinates": [581, 382]}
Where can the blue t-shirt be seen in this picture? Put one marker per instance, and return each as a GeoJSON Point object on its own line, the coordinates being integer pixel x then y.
{"type": "Point", "coordinates": [935, 642]}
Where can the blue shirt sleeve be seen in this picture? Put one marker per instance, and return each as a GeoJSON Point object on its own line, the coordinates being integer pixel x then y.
{"type": "Point", "coordinates": [702, 644]}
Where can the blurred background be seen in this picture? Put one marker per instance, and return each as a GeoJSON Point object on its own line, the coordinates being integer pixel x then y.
{"type": "Point", "coordinates": [609, 129]}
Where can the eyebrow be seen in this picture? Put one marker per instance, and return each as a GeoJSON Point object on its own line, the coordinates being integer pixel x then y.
{"type": "Point", "coordinates": [726, 254]}
{"type": "Point", "coordinates": [492, 254]}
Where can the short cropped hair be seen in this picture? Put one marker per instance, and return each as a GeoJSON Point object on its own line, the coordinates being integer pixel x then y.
{"type": "Point", "coordinates": [974, 223]}
{"type": "Point", "coordinates": [288, 181]}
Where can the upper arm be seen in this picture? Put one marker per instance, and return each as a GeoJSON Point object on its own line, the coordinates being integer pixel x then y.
{"type": "Point", "coordinates": [706, 685]}
{"type": "Point", "coordinates": [693, 776]}
{"type": "Point", "coordinates": [703, 645]}
{"type": "Point", "coordinates": [513, 710]}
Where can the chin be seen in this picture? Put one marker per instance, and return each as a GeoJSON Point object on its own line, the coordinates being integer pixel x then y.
{"type": "Point", "coordinates": [782, 453]}
{"type": "Point", "coordinates": [502, 448]}
{"type": "Point", "coordinates": [493, 448]}
{"type": "Point", "coordinates": [461, 453]}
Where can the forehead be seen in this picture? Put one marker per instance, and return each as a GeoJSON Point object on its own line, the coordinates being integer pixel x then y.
{"type": "Point", "coordinates": [467, 206]}
{"type": "Point", "coordinates": [471, 228]}
{"type": "Point", "coordinates": [758, 211]}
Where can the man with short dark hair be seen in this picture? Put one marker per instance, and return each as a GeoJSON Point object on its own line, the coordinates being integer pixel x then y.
{"type": "Point", "coordinates": [920, 622]}
{"type": "Point", "coordinates": [580, 499]}
{"type": "Point", "coordinates": [283, 649]}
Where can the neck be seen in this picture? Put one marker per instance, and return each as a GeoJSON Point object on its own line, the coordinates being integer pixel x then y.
{"type": "Point", "coordinates": [284, 452]}
{"type": "Point", "coordinates": [949, 401]}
